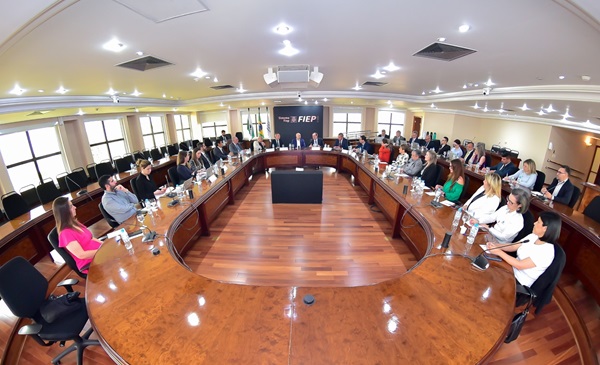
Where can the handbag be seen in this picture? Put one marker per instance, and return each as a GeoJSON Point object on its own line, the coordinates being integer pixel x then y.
{"type": "Point", "coordinates": [55, 308]}
{"type": "Point", "coordinates": [519, 319]}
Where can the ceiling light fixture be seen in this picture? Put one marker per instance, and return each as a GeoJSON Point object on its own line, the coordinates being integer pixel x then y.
{"type": "Point", "coordinates": [561, 77]}
{"type": "Point", "coordinates": [288, 50]}
{"type": "Point", "coordinates": [541, 112]}
{"type": "Point", "coordinates": [136, 93]}
{"type": "Point", "coordinates": [40, 90]}
{"type": "Point", "coordinates": [315, 77]}
{"type": "Point", "coordinates": [325, 99]}
{"type": "Point", "coordinates": [305, 102]}
{"type": "Point", "coordinates": [198, 73]}
{"type": "Point", "coordinates": [80, 112]}
{"type": "Point", "coordinates": [432, 105]}
{"type": "Point", "coordinates": [215, 79]}
{"type": "Point", "coordinates": [207, 77]}
{"type": "Point", "coordinates": [567, 115]}
{"type": "Point", "coordinates": [62, 90]}
{"type": "Point", "coordinates": [464, 86]}
{"type": "Point", "coordinates": [524, 107]}
{"type": "Point", "coordinates": [437, 90]}
{"type": "Point", "coordinates": [139, 53]}
{"type": "Point", "coordinates": [464, 28]}
{"type": "Point", "coordinates": [441, 39]}
{"type": "Point", "coordinates": [377, 75]}
{"type": "Point", "coordinates": [316, 102]}
{"type": "Point", "coordinates": [283, 29]}
{"type": "Point", "coordinates": [241, 89]}
{"type": "Point", "coordinates": [17, 90]}
{"type": "Point", "coordinates": [391, 67]}
{"type": "Point", "coordinates": [501, 110]}
{"type": "Point", "coordinates": [550, 109]}
{"type": "Point", "coordinates": [114, 45]}
{"type": "Point", "coordinates": [164, 95]}
{"type": "Point", "coordinates": [357, 87]}
{"type": "Point", "coordinates": [485, 108]}
{"type": "Point", "coordinates": [476, 106]}
{"type": "Point", "coordinates": [111, 92]}
{"type": "Point", "coordinates": [423, 93]}
{"type": "Point", "coordinates": [489, 82]}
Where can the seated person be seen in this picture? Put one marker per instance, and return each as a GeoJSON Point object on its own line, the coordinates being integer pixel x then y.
{"type": "Point", "coordinates": [479, 158]}
{"type": "Point", "coordinates": [223, 137]}
{"type": "Point", "coordinates": [72, 235]}
{"type": "Point", "coordinates": [316, 141]}
{"type": "Point", "coordinates": [414, 138]}
{"type": "Point", "coordinates": [383, 134]}
{"type": "Point", "coordinates": [505, 167]}
{"type": "Point", "coordinates": [363, 145]}
{"type": "Point", "coordinates": [444, 147]}
{"type": "Point", "coordinates": [277, 142]}
{"type": "Point", "coordinates": [536, 255]}
{"type": "Point", "coordinates": [456, 181]}
{"type": "Point", "coordinates": [219, 151]}
{"type": "Point", "coordinates": [234, 147]}
{"type": "Point", "coordinates": [397, 140]}
{"type": "Point", "coordinates": [259, 145]}
{"type": "Point", "coordinates": [183, 170]}
{"type": "Point", "coordinates": [429, 144]}
{"type": "Point", "coordinates": [144, 185]}
{"type": "Point", "coordinates": [508, 218]}
{"type": "Point", "coordinates": [205, 158]}
{"type": "Point", "coordinates": [403, 155]}
{"type": "Point", "coordinates": [429, 172]}
{"type": "Point", "coordinates": [117, 201]}
{"type": "Point", "coordinates": [341, 143]}
{"type": "Point", "coordinates": [469, 156]}
{"type": "Point", "coordinates": [298, 142]}
{"type": "Point", "coordinates": [526, 176]}
{"type": "Point", "coordinates": [415, 165]}
{"type": "Point", "coordinates": [561, 188]}
{"type": "Point", "coordinates": [384, 152]}
{"type": "Point", "coordinates": [457, 152]}
{"type": "Point", "coordinates": [194, 162]}
{"type": "Point", "coordinates": [486, 199]}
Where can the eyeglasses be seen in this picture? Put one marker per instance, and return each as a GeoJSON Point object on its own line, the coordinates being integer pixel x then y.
{"type": "Point", "coordinates": [508, 201]}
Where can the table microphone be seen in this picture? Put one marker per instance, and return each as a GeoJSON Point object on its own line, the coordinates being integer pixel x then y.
{"type": "Point", "coordinates": [81, 190]}
{"type": "Point", "coordinates": [481, 262]}
{"type": "Point", "coordinates": [170, 194]}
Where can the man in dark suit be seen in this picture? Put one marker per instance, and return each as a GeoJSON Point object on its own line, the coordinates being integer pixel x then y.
{"type": "Point", "coordinates": [414, 138]}
{"type": "Point", "coordinates": [316, 141]}
{"type": "Point", "coordinates": [223, 137]}
{"type": "Point", "coordinates": [444, 147]}
{"type": "Point", "coordinates": [204, 157]}
{"type": "Point", "coordinates": [298, 142]}
{"type": "Point", "coordinates": [429, 144]}
{"type": "Point", "coordinates": [341, 143]}
{"type": "Point", "coordinates": [277, 142]}
{"type": "Point", "coordinates": [505, 167]}
{"type": "Point", "coordinates": [468, 157]}
{"type": "Point", "coordinates": [219, 151]}
{"type": "Point", "coordinates": [561, 189]}
{"type": "Point", "coordinates": [383, 134]}
{"type": "Point", "coordinates": [363, 145]}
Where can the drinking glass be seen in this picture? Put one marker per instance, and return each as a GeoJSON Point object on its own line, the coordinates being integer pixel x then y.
{"type": "Point", "coordinates": [140, 217]}
{"type": "Point", "coordinates": [153, 205]}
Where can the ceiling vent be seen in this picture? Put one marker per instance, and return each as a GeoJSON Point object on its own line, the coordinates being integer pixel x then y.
{"type": "Point", "coordinates": [222, 87]}
{"type": "Point", "coordinates": [145, 63]}
{"type": "Point", "coordinates": [374, 83]}
{"type": "Point", "coordinates": [40, 112]}
{"type": "Point", "coordinates": [444, 52]}
{"type": "Point", "coordinates": [293, 77]}
{"type": "Point", "coordinates": [159, 11]}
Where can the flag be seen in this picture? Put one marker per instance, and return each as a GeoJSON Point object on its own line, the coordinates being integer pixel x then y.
{"type": "Point", "coordinates": [250, 129]}
{"type": "Point", "coordinates": [260, 129]}
{"type": "Point", "coordinates": [268, 124]}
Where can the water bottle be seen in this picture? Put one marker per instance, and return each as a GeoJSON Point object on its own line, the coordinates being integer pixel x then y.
{"type": "Point", "coordinates": [438, 194]}
{"type": "Point", "coordinates": [456, 220]}
{"type": "Point", "coordinates": [125, 238]}
{"type": "Point", "coordinates": [166, 155]}
{"type": "Point", "coordinates": [472, 234]}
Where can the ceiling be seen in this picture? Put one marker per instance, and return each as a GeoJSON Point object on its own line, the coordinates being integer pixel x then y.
{"type": "Point", "coordinates": [521, 46]}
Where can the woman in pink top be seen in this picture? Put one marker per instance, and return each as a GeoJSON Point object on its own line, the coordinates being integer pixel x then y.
{"type": "Point", "coordinates": [72, 235]}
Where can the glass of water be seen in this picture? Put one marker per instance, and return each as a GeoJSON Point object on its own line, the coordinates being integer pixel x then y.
{"type": "Point", "coordinates": [140, 217]}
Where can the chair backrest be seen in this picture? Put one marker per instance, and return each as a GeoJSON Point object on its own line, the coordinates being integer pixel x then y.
{"type": "Point", "coordinates": [194, 143]}
{"type": "Point", "coordinates": [22, 287]}
{"type": "Point", "coordinates": [123, 164]}
{"type": "Point", "coordinates": [155, 154]}
{"type": "Point", "coordinates": [528, 221]}
{"type": "Point", "coordinates": [163, 150]}
{"type": "Point", "coordinates": [593, 209]}
{"type": "Point", "coordinates": [47, 192]}
{"type": "Point", "coordinates": [14, 205]}
{"type": "Point", "coordinates": [544, 286]}
{"type": "Point", "coordinates": [104, 168]}
{"type": "Point", "coordinates": [208, 142]}
{"type": "Point", "coordinates": [77, 179]}
{"type": "Point", "coordinates": [539, 181]}
{"type": "Point", "coordinates": [465, 188]}
{"type": "Point", "coordinates": [53, 239]}
{"type": "Point", "coordinates": [495, 148]}
{"type": "Point", "coordinates": [30, 195]}
{"type": "Point", "coordinates": [438, 173]}
{"type": "Point", "coordinates": [137, 155]}
{"type": "Point", "coordinates": [239, 135]}
{"type": "Point", "coordinates": [111, 221]}
{"type": "Point", "coordinates": [62, 181]}
{"type": "Point", "coordinates": [92, 171]}
{"type": "Point", "coordinates": [514, 153]}
{"type": "Point", "coordinates": [183, 146]}
{"type": "Point", "coordinates": [133, 185]}
{"type": "Point", "coordinates": [172, 149]}
{"type": "Point", "coordinates": [173, 175]}
{"type": "Point", "coordinates": [574, 197]}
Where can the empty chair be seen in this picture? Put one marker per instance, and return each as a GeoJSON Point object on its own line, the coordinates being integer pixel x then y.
{"type": "Point", "coordinates": [173, 175]}
{"type": "Point", "coordinates": [574, 197]}
{"type": "Point", "coordinates": [24, 289]}
{"type": "Point", "coordinates": [514, 153]}
{"type": "Point", "coordinates": [183, 146]}
{"type": "Point", "coordinates": [104, 168]}
{"type": "Point", "coordinates": [123, 164]}
{"type": "Point", "coordinates": [146, 154]}
{"type": "Point", "coordinates": [138, 155]}
{"type": "Point", "coordinates": [155, 154]}
{"type": "Point", "coordinates": [14, 205]}
{"type": "Point", "coordinates": [163, 150]}
{"type": "Point", "coordinates": [539, 181]}
{"type": "Point", "coordinates": [195, 142]}
{"type": "Point", "coordinates": [53, 239]}
{"type": "Point", "coordinates": [239, 135]}
{"type": "Point", "coordinates": [495, 148]}
{"type": "Point", "coordinates": [92, 172]}
{"type": "Point", "coordinates": [111, 221]}
{"type": "Point", "coordinates": [62, 181]}
{"type": "Point", "coordinates": [47, 191]}
{"type": "Point", "coordinates": [77, 179]}
{"type": "Point", "coordinates": [172, 149]}
{"type": "Point", "coordinates": [593, 209]}
{"type": "Point", "coordinates": [30, 195]}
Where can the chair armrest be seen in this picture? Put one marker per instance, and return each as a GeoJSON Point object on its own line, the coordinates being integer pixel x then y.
{"type": "Point", "coordinates": [68, 284]}
{"type": "Point", "coordinates": [30, 329]}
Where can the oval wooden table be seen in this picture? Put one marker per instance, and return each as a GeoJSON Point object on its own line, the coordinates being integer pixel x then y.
{"type": "Point", "coordinates": [150, 309]}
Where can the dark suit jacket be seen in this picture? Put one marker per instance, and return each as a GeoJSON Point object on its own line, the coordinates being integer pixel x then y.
{"type": "Point", "coordinates": [367, 147]}
{"type": "Point", "coordinates": [442, 150]}
{"type": "Point", "coordinates": [205, 159]}
{"type": "Point", "coordinates": [274, 143]}
{"type": "Point", "coordinates": [565, 193]}
{"type": "Point", "coordinates": [469, 156]}
{"type": "Point", "coordinates": [386, 136]}
{"type": "Point", "coordinates": [435, 144]}
{"type": "Point", "coordinates": [219, 154]}
{"type": "Point", "coordinates": [344, 143]}
{"type": "Point", "coordinates": [302, 143]}
{"type": "Point", "coordinates": [509, 169]}
{"type": "Point", "coordinates": [144, 187]}
{"type": "Point", "coordinates": [319, 142]}
{"type": "Point", "coordinates": [429, 175]}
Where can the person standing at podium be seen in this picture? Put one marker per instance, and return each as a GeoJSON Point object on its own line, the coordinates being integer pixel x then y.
{"type": "Point", "coordinates": [298, 142]}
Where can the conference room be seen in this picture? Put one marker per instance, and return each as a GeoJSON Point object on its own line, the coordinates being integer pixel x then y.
{"type": "Point", "coordinates": [130, 80]}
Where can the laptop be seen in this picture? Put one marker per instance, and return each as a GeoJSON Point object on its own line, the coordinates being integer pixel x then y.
{"type": "Point", "coordinates": [187, 185]}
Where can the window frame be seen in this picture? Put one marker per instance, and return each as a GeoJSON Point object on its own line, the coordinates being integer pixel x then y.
{"type": "Point", "coordinates": [153, 134]}
{"type": "Point", "coordinates": [106, 141]}
{"type": "Point", "coordinates": [180, 129]}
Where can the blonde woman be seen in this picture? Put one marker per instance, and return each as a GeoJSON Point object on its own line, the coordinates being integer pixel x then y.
{"type": "Point", "coordinates": [486, 199]}
{"type": "Point", "coordinates": [525, 177]}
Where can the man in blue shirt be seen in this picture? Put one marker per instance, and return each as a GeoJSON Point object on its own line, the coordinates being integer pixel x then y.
{"type": "Point", "coordinates": [117, 201]}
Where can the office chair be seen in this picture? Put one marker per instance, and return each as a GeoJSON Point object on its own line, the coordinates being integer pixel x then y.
{"type": "Point", "coordinates": [163, 150]}
{"type": "Point", "coordinates": [123, 164]}
{"type": "Point", "coordinates": [196, 142]}
{"type": "Point", "coordinates": [134, 187]}
{"type": "Point", "coordinates": [23, 289]}
{"type": "Point", "coordinates": [14, 205]}
{"type": "Point", "coordinates": [104, 168]}
{"type": "Point", "coordinates": [464, 190]}
{"type": "Point", "coordinates": [137, 155]}
{"type": "Point", "coordinates": [47, 191]}
{"type": "Point", "coordinates": [155, 154]}
{"type": "Point", "coordinates": [173, 175]}
{"type": "Point", "coordinates": [172, 149]}
{"type": "Point", "coordinates": [208, 142]}
{"type": "Point", "coordinates": [109, 218]}
{"type": "Point", "coordinates": [528, 221]}
{"type": "Point", "coordinates": [239, 135]}
{"type": "Point", "coordinates": [62, 182]}
{"type": "Point", "coordinates": [514, 153]}
{"type": "Point", "coordinates": [92, 171]}
{"type": "Point", "coordinates": [53, 239]}
{"type": "Point", "coordinates": [539, 181]}
{"type": "Point", "coordinates": [574, 197]}
{"type": "Point", "coordinates": [76, 180]}
{"type": "Point", "coordinates": [30, 195]}
{"type": "Point", "coordinates": [593, 209]}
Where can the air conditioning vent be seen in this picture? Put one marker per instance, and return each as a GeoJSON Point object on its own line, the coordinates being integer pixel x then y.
{"type": "Point", "coordinates": [40, 112]}
{"type": "Point", "coordinates": [222, 87]}
{"type": "Point", "coordinates": [145, 63]}
{"type": "Point", "coordinates": [374, 83]}
{"type": "Point", "coordinates": [444, 52]}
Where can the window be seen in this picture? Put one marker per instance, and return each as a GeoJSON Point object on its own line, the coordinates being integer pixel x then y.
{"type": "Point", "coordinates": [346, 122]}
{"type": "Point", "coordinates": [32, 156]}
{"type": "Point", "coordinates": [153, 132]}
{"type": "Point", "coordinates": [391, 121]}
{"type": "Point", "coordinates": [106, 139]}
{"type": "Point", "coordinates": [182, 125]}
{"type": "Point", "coordinates": [255, 119]}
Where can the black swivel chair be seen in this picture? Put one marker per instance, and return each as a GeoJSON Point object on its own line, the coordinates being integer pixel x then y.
{"type": "Point", "coordinates": [593, 209]}
{"type": "Point", "coordinates": [208, 142]}
{"type": "Point", "coordinates": [528, 221]}
{"type": "Point", "coordinates": [539, 181]}
{"type": "Point", "coordinates": [14, 205]}
{"type": "Point", "coordinates": [155, 154]}
{"type": "Point", "coordinates": [109, 218]}
{"type": "Point", "coordinates": [495, 148]}
{"type": "Point", "coordinates": [77, 179]}
{"type": "Point", "coordinates": [62, 182]}
{"type": "Point", "coordinates": [163, 150]}
{"type": "Point", "coordinates": [104, 168]}
{"type": "Point", "coordinates": [23, 289]}
{"type": "Point", "coordinates": [123, 164]}
{"type": "Point", "coordinates": [137, 155]}
{"type": "Point", "coordinates": [173, 175]}
{"type": "Point", "coordinates": [29, 194]}
{"type": "Point", "coordinates": [134, 187]}
{"type": "Point", "coordinates": [172, 149]}
{"type": "Point", "coordinates": [47, 191]}
{"type": "Point", "coordinates": [239, 135]}
{"type": "Point", "coordinates": [53, 239]}
{"type": "Point", "coordinates": [574, 197]}
{"type": "Point", "coordinates": [183, 146]}
{"type": "Point", "coordinates": [91, 169]}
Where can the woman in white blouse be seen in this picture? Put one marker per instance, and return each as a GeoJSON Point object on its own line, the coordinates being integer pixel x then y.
{"type": "Point", "coordinates": [526, 176]}
{"type": "Point", "coordinates": [486, 199]}
{"type": "Point", "coordinates": [535, 255]}
{"type": "Point", "coordinates": [509, 218]}
{"type": "Point", "coordinates": [403, 155]}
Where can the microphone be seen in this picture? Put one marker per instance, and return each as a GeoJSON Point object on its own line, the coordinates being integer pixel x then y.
{"type": "Point", "coordinates": [481, 262]}
{"type": "Point", "coordinates": [170, 194]}
{"type": "Point", "coordinates": [81, 191]}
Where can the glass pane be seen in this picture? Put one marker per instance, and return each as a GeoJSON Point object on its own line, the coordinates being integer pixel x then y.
{"type": "Point", "coordinates": [177, 119]}
{"type": "Point", "coordinates": [208, 132]}
{"type": "Point", "coordinates": [148, 142]}
{"type": "Point", "coordinates": [157, 124]}
{"type": "Point", "coordinates": [99, 153]}
{"type": "Point", "coordinates": [117, 148]}
{"type": "Point", "coordinates": [185, 121]}
{"type": "Point", "coordinates": [339, 117]}
{"type": "Point", "coordinates": [385, 126]}
{"type": "Point", "coordinates": [383, 116]}
{"type": "Point", "coordinates": [94, 131]}
{"type": "Point", "coordinates": [23, 175]}
{"type": "Point", "coordinates": [14, 148]}
{"type": "Point", "coordinates": [113, 129]}
{"type": "Point", "coordinates": [398, 118]}
{"type": "Point", "coordinates": [187, 135]}
{"type": "Point", "coordinates": [51, 166]}
{"type": "Point", "coordinates": [180, 136]}
{"type": "Point", "coordinates": [339, 128]}
{"type": "Point", "coordinates": [160, 139]}
{"type": "Point", "coordinates": [354, 117]}
{"type": "Point", "coordinates": [145, 124]}
{"type": "Point", "coordinates": [44, 141]}
{"type": "Point", "coordinates": [354, 127]}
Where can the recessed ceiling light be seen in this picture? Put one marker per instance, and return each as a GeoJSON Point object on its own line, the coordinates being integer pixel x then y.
{"type": "Point", "coordinates": [567, 115]}
{"type": "Point", "coordinates": [524, 107]}
{"type": "Point", "coordinates": [228, 106]}
{"type": "Point", "coordinates": [485, 108]}
{"type": "Point", "coordinates": [437, 90]}
{"type": "Point", "coordinates": [325, 99]}
{"type": "Point", "coordinates": [305, 102]}
{"type": "Point", "coordinates": [136, 93]}
{"type": "Point", "coordinates": [80, 112]}
{"type": "Point", "coordinates": [423, 93]}
{"type": "Point", "coordinates": [215, 79]}
{"type": "Point", "coordinates": [262, 103]}
{"type": "Point", "coordinates": [432, 105]}
{"type": "Point", "coordinates": [282, 29]}
{"type": "Point", "coordinates": [316, 102]}
{"type": "Point", "coordinates": [40, 90]}
{"type": "Point", "coordinates": [17, 90]}
{"type": "Point", "coordinates": [136, 110]}
{"type": "Point", "coordinates": [476, 85]}
{"type": "Point", "coordinates": [357, 87]}
{"type": "Point", "coordinates": [352, 102]}
{"type": "Point", "coordinates": [464, 86]}
{"type": "Point", "coordinates": [377, 75]}
{"type": "Point", "coordinates": [441, 39]}
{"type": "Point", "coordinates": [501, 110]}
{"type": "Point", "coordinates": [198, 73]}
{"type": "Point", "coordinates": [391, 67]}
{"type": "Point", "coordinates": [585, 78]}
{"type": "Point", "coordinates": [114, 45]}
{"type": "Point", "coordinates": [561, 77]}
{"type": "Point", "coordinates": [164, 95]}
{"type": "Point", "coordinates": [550, 109]}
{"type": "Point", "coordinates": [62, 90]}
{"type": "Point", "coordinates": [475, 106]}
{"type": "Point", "coordinates": [221, 105]}
{"type": "Point", "coordinates": [464, 28]}
{"type": "Point", "coordinates": [111, 92]}
{"type": "Point", "coordinates": [241, 89]}
{"type": "Point", "coordinates": [489, 82]}
{"type": "Point", "coordinates": [288, 50]}
{"type": "Point", "coordinates": [541, 112]}
{"type": "Point", "coordinates": [207, 77]}
{"type": "Point", "coordinates": [139, 53]}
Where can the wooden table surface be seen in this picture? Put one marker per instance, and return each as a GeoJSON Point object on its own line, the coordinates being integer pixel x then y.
{"type": "Point", "coordinates": [149, 309]}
